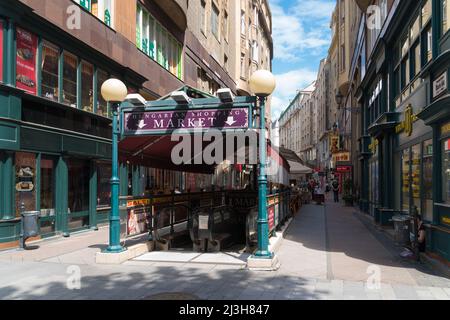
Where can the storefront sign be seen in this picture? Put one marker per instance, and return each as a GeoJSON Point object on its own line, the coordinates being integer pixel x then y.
{"type": "Point", "coordinates": [341, 157]}
{"type": "Point", "coordinates": [26, 61]}
{"type": "Point", "coordinates": [440, 85]}
{"type": "Point", "coordinates": [406, 125]}
{"type": "Point", "coordinates": [1, 51]}
{"type": "Point", "coordinates": [334, 144]}
{"type": "Point", "coordinates": [445, 129]}
{"type": "Point", "coordinates": [342, 169]}
{"type": "Point", "coordinates": [154, 121]}
{"type": "Point", "coordinates": [446, 220]}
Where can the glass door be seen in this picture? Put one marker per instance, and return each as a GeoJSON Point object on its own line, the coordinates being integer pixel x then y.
{"type": "Point", "coordinates": [47, 196]}
{"type": "Point", "coordinates": [79, 176]}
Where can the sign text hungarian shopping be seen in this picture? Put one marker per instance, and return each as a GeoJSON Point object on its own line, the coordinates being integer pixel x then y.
{"type": "Point", "coordinates": [157, 121]}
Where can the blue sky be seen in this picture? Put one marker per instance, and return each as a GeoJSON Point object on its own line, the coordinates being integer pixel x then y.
{"type": "Point", "coordinates": [301, 34]}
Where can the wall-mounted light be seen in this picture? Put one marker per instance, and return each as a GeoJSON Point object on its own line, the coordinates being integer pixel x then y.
{"type": "Point", "coordinates": [180, 97]}
{"type": "Point", "coordinates": [225, 95]}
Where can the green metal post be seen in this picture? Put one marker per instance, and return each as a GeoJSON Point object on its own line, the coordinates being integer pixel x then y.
{"type": "Point", "coordinates": [263, 226]}
{"type": "Point", "coordinates": [114, 218]}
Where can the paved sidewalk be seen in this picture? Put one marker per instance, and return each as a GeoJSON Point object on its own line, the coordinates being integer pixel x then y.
{"type": "Point", "coordinates": [326, 254]}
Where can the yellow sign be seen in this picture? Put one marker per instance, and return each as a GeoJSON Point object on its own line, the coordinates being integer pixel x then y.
{"type": "Point", "coordinates": [446, 220]}
{"type": "Point", "coordinates": [140, 202]}
{"type": "Point", "coordinates": [445, 129]}
{"type": "Point", "coordinates": [407, 124]}
{"type": "Point", "coordinates": [373, 146]}
{"type": "Point", "coordinates": [334, 144]}
{"type": "Point", "coordinates": [341, 157]}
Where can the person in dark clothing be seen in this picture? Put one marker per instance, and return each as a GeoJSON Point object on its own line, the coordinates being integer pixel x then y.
{"type": "Point", "coordinates": [335, 187]}
{"type": "Point", "coordinates": [421, 239]}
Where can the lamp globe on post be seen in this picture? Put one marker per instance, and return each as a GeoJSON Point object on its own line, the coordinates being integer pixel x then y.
{"type": "Point", "coordinates": [339, 98]}
{"type": "Point", "coordinates": [262, 84]}
{"type": "Point", "coordinates": [114, 92]}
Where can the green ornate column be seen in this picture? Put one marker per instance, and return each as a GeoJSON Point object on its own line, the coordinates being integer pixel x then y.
{"type": "Point", "coordinates": [93, 196]}
{"type": "Point", "coordinates": [62, 196]}
{"type": "Point", "coordinates": [7, 186]}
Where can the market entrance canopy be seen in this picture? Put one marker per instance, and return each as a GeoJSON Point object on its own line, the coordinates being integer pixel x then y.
{"type": "Point", "coordinates": [147, 126]}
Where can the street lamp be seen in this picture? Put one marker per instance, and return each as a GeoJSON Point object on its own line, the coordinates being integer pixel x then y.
{"type": "Point", "coordinates": [262, 84]}
{"type": "Point", "coordinates": [339, 97]}
{"type": "Point", "coordinates": [114, 92]}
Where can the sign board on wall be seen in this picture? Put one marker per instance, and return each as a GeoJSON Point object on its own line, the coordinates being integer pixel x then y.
{"type": "Point", "coordinates": [1, 51]}
{"type": "Point", "coordinates": [341, 157]}
{"type": "Point", "coordinates": [440, 85]}
{"type": "Point", "coordinates": [156, 121]}
{"type": "Point", "coordinates": [139, 213]}
{"type": "Point", "coordinates": [26, 61]}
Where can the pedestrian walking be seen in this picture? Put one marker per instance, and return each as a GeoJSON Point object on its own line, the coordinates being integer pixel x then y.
{"type": "Point", "coordinates": [335, 187]}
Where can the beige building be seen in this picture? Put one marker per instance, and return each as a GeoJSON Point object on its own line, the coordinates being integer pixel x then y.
{"type": "Point", "coordinates": [253, 43]}
{"type": "Point", "coordinates": [297, 125]}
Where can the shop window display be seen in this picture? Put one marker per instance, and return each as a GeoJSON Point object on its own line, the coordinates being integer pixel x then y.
{"type": "Point", "coordinates": [103, 184]}
{"type": "Point", "coordinates": [446, 171]}
{"type": "Point", "coordinates": [70, 80]}
{"type": "Point", "coordinates": [405, 180]}
{"type": "Point", "coordinates": [416, 176]}
{"type": "Point", "coordinates": [87, 78]}
{"type": "Point", "coordinates": [49, 65]}
{"type": "Point", "coordinates": [427, 204]}
{"type": "Point", "coordinates": [25, 187]}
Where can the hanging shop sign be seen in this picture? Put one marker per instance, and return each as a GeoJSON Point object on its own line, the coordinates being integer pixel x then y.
{"type": "Point", "coordinates": [136, 123]}
{"type": "Point", "coordinates": [440, 85]}
{"type": "Point", "coordinates": [343, 169]}
{"type": "Point", "coordinates": [1, 51]}
{"type": "Point", "coordinates": [406, 125]}
{"type": "Point", "coordinates": [26, 61]}
{"type": "Point", "coordinates": [334, 143]}
{"type": "Point", "coordinates": [341, 157]}
{"type": "Point", "coordinates": [373, 146]}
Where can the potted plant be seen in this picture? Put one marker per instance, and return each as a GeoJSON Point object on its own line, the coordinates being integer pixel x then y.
{"type": "Point", "coordinates": [348, 193]}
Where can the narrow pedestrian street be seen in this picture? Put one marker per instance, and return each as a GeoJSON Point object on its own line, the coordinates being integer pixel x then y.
{"type": "Point", "coordinates": [329, 252]}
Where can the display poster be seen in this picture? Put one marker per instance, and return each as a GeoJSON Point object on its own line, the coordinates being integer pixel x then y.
{"type": "Point", "coordinates": [139, 217]}
{"type": "Point", "coordinates": [26, 61]}
{"type": "Point", "coordinates": [271, 215]}
{"type": "Point", "coordinates": [25, 181]}
{"type": "Point", "coordinates": [1, 51]}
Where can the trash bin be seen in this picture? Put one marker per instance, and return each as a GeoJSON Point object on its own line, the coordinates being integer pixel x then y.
{"type": "Point", "coordinates": [30, 226]}
{"type": "Point", "coordinates": [30, 220]}
{"type": "Point", "coordinates": [401, 229]}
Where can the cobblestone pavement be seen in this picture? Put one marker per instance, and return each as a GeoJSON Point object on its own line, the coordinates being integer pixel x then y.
{"type": "Point", "coordinates": [328, 253]}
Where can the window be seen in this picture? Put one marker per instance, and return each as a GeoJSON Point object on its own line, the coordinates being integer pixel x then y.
{"type": "Point", "coordinates": [1, 50]}
{"type": "Point", "coordinates": [70, 80]}
{"type": "Point", "coordinates": [102, 9]}
{"type": "Point", "coordinates": [102, 106]}
{"type": "Point", "coordinates": [50, 67]}
{"type": "Point", "coordinates": [427, 203]}
{"type": "Point", "coordinates": [405, 180]}
{"type": "Point", "coordinates": [203, 17]}
{"type": "Point", "coordinates": [215, 21]}
{"type": "Point", "coordinates": [79, 175]}
{"type": "Point", "coordinates": [157, 42]}
{"type": "Point", "coordinates": [446, 171]}
{"type": "Point", "coordinates": [25, 175]}
{"type": "Point", "coordinates": [103, 184]}
{"type": "Point", "coordinates": [243, 75]}
{"type": "Point", "coordinates": [87, 86]}
{"type": "Point", "coordinates": [416, 175]}
{"type": "Point", "coordinates": [47, 197]}
{"type": "Point", "coordinates": [243, 28]}
{"type": "Point", "coordinates": [255, 51]}
{"type": "Point", "coordinates": [445, 16]}
{"type": "Point", "coordinates": [225, 26]}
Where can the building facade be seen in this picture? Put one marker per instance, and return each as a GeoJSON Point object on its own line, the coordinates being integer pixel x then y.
{"type": "Point", "coordinates": [405, 116]}
{"type": "Point", "coordinates": [55, 128]}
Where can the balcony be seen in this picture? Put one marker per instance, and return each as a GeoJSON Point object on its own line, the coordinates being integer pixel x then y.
{"type": "Point", "coordinates": [176, 10]}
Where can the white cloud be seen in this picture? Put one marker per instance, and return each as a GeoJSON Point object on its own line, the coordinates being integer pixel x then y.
{"type": "Point", "coordinates": [287, 85]}
{"type": "Point", "coordinates": [304, 26]}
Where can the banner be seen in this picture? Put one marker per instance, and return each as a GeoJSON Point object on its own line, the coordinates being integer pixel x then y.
{"type": "Point", "coordinates": [26, 61]}
{"type": "Point", "coordinates": [1, 51]}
